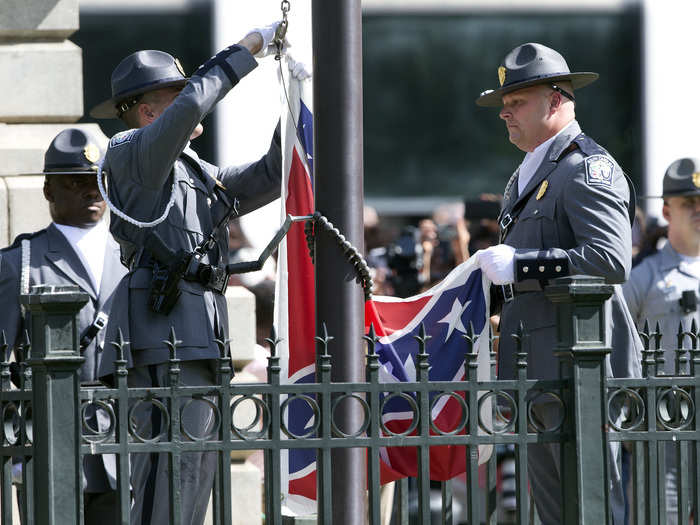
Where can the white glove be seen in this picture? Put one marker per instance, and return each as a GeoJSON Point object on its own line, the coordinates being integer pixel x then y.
{"type": "Point", "coordinates": [299, 70]}
{"type": "Point", "coordinates": [268, 35]}
{"type": "Point", "coordinates": [497, 263]}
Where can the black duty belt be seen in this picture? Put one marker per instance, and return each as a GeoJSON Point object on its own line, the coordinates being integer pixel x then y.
{"type": "Point", "coordinates": [506, 292]}
{"type": "Point", "coordinates": [211, 277]}
{"type": "Point", "coordinates": [214, 278]}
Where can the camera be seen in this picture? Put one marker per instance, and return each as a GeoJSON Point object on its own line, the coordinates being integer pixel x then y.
{"type": "Point", "coordinates": [481, 209]}
{"type": "Point", "coordinates": [405, 260]}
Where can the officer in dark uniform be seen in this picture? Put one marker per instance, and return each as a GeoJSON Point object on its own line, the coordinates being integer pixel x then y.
{"type": "Point", "coordinates": [165, 203]}
{"type": "Point", "coordinates": [664, 287]}
{"type": "Point", "coordinates": [566, 211]}
{"type": "Point", "coordinates": [75, 249]}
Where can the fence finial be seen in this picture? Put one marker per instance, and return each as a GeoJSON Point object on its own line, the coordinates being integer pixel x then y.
{"type": "Point", "coordinates": [324, 339]}
{"type": "Point", "coordinates": [119, 344]}
{"type": "Point", "coordinates": [172, 342]}
{"type": "Point", "coordinates": [371, 339]}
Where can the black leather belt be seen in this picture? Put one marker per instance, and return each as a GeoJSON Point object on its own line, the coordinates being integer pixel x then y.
{"type": "Point", "coordinates": [506, 292]}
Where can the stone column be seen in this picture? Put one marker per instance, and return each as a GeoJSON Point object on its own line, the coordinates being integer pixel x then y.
{"type": "Point", "coordinates": [42, 94]}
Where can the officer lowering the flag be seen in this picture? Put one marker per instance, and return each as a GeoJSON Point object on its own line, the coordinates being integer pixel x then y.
{"type": "Point", "coordinates": [567, 210]}
{"type": "Point", "coordinates": [169, 211]}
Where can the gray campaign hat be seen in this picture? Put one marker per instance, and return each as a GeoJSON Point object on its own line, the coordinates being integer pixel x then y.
{"type": "Point", "coordinates": [682, 178]}
{"type": "Point", "coordinates": [137, 74]}
{"type": "Point", "coordinates": [528, 65]}
{"type": "Point", "coordinates": [72, 152]}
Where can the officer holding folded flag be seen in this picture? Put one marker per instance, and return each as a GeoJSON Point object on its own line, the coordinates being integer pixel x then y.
{"type": "Point", "coordinates": [169, 215]}
{"type": "Point", "coordinates": [75, 249]}
{"type": "Point", "coordinates": [567, 210]}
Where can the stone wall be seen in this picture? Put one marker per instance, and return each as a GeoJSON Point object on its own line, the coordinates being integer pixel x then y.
{"type": "Point", "coordinates": [42, 94]}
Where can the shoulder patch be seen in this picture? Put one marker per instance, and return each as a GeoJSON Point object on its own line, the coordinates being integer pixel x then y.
{"type": "Point", "coordinates": [121, 138]}
{"type": "Point", "coordinates": [599, 170]}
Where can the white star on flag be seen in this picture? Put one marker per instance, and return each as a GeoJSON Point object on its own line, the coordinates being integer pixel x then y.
{"type": "Point", "coordinates": [454, 318]}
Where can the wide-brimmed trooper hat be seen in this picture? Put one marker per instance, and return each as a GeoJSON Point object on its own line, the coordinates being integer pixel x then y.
{"type": "Point", "coordinates": [137, 74]}
{"type": "Point", "coordinates": [682, 178]}
{"type": "Point", "coordinates": [72, 152]}
{"type": "Point", "coordinates": [528, 65]}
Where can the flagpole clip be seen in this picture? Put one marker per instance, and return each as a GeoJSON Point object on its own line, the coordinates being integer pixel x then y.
{"type": "Point", "coordinates": [281, 31]}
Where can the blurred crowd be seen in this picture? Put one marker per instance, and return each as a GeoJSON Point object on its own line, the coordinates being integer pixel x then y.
{"type": "Point", "coordinates": [409, 258]}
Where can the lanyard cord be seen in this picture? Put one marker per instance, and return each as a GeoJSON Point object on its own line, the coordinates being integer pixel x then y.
{"type": "Point", "coordinates": [119, 213]}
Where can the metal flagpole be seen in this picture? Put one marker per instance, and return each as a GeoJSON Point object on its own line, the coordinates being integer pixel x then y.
{"type": "Point", "coordinates": [337, 78]}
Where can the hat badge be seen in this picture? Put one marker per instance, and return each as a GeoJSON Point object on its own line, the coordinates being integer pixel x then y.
{"type": "Point", "coordinates": [501, 74]}
{"type": "Point", "coordinates": [179, 67]}
{"type": "Point", "coordinates": [92, 153]}
{"type": "Point", "coordinates": [696, 179]}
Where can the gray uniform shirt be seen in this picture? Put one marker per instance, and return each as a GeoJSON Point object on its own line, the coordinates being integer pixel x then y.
{"type": "Point", "coordinates": [142, 165]}
{"type": "Point", "coordinates": [574, 207]}
{"type": "Point", "coordinates": [653, 294]}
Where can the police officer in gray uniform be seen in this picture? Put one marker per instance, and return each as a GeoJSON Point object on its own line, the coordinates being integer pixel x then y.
{"type": "Point", "coordinates": [165, 203]}
{"type": "Point", "coordinates": [75, 249]}
{"type": "Point", "coordinates": [663, 288]}
{"type": "Point", "coordinates": [566, 211]}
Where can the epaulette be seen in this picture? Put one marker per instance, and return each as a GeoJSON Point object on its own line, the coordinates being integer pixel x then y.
{"type": "Point", "coordinates": [21, 237]}
{"type": "Point", "coordinates": [589, 146]}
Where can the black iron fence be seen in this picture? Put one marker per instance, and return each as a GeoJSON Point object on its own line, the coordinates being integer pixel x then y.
{"type": "Point", "coordinates": [47, 427]}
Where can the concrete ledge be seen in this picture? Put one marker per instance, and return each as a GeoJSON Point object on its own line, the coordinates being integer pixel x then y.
{"type": "Point", "coordinates": [38, 18]}
{"type": "Point", "coordinates": [246, 496]}
{"type": "Point", "coordinates": [241, 324]}
{"type": "Point", "coordinates": [27, 208]}
{"type": "Point", "coordinates": [22, 146]}
{"type": "Point", "coordinates": [47, 82]}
